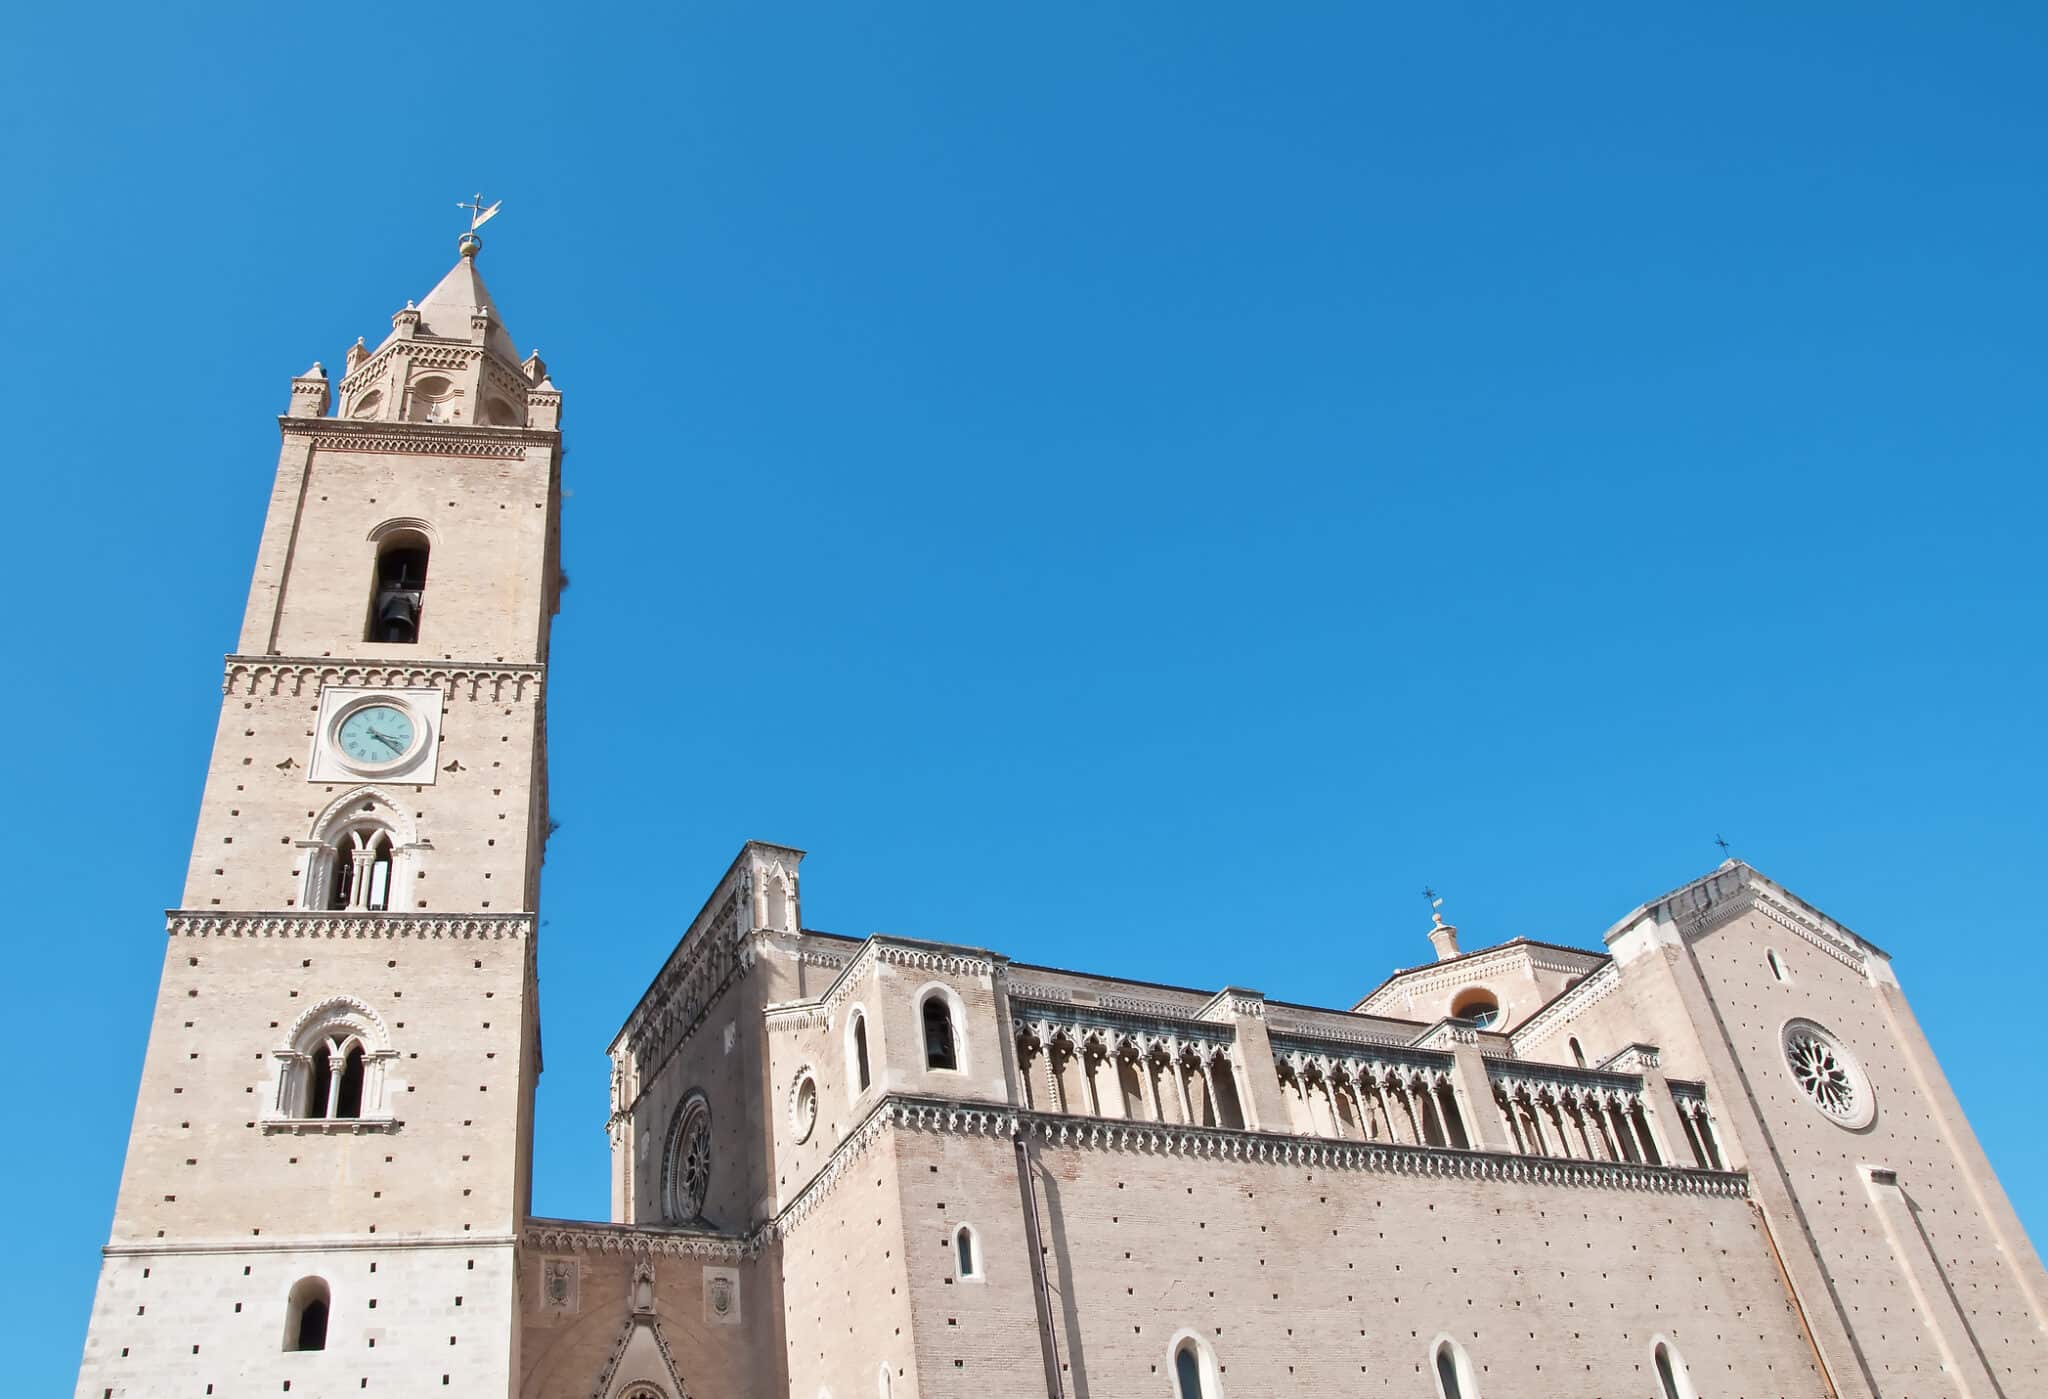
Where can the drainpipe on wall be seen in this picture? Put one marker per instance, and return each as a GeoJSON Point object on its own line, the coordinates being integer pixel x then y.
{"type": "Point", "coordinates": [1042, 1284]}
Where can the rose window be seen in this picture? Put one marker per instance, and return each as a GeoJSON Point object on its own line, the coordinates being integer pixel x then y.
{"type": "Point", "coordinates": [1828, 1074]}
{"type": "Point", "coordinates": [689, 1162]}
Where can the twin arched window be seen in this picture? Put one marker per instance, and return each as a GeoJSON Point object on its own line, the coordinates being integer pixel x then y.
{"type": "Point", "coordinates": [333, 1068]}
{"type": "Point", "coordinates": [335, 1094]}
{"type": "Point", "coordinates": [359, 870]}
{"type": "Point", "coordinates": [360, 855]}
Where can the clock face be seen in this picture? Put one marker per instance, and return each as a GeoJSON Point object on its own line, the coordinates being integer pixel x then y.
{"type": "Point", "coordinates": [376, 735]}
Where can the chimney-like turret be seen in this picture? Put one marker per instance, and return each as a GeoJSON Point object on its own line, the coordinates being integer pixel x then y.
{"type": "Point", "coordinates": [1443, 937]}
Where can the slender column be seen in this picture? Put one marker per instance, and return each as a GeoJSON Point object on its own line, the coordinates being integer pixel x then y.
{"type": "Point", "coordinates": [1535, 1112]}
{"type": "Point", "coordinates": [1628, 1128]}
{"type": "Point", "coordinates": [337, 1069]}
{"type": "Point", "coordinates": [1705, 1123]}
{"type": "Point", "coordinates": [1180, 1084]}
{"type": "Point", "coordinates": [1147, 1090]}
{"type": "Point", "coordinates": [1209, 1088]}
{"type": "Point", "coordinates": [1330, 1099]}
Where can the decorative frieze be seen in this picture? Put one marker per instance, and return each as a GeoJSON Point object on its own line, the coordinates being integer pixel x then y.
{"type": "Point", "coordinates": [1287, 1025]}
{"type": "Point", "coordinates": [196, 923]}
{"type": "Point", "coordinates": [944, 961]}
{"type": "Point", "coordinates": [295, 675]}
{"type": "Point", "coordinates": [425, 439]}
{"type": "Point", "coordinates": [635, 1241]}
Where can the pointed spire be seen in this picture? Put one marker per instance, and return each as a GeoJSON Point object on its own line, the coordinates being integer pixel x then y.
{"type": "Point", "coordinates": [460, 306]}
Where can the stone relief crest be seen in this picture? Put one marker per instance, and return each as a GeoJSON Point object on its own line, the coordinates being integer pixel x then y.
{"type": "Point", "coordinates": [722, 1296]}
{"type": "Point", "coordinates": [559, 1285]}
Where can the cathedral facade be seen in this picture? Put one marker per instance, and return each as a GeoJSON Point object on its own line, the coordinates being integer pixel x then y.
{"type": "Point", "coordinates": [1709, 1155]}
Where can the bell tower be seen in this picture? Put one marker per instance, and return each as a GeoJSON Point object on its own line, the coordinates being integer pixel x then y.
{"type": "Point", "coordinates": [328, 1168]}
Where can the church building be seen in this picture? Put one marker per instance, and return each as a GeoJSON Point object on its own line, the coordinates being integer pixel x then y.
{"type": "Point", "coordinates": [1707, 1155]}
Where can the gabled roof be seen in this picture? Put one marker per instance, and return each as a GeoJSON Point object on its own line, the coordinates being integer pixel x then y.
{"type": "Point", "coordinates": [1593, 959]}
{"type": "Point", "coordinates": [446, 312]}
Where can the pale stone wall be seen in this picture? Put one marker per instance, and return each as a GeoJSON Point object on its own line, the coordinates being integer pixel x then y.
{"type": "Point", "coordinates": [179, 1323]}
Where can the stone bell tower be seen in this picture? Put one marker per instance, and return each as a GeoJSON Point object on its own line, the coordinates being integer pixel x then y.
{"type": "Point", "coordinates": [328, 1167]}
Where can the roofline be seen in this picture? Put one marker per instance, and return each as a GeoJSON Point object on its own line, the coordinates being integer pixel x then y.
{"type": "Point", "coordinates": [1400, 972]}
{"type": "Point", "coordinates": [1636, 914]}
{"type": "Point", "coordinates": [691, 927]}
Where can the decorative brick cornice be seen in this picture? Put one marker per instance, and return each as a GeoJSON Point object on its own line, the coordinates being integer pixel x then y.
{"type": "Point", "coordinates": [787, 1019]}
{"type": "Point", "coordinates": [1411, 981]}
{"type": "Point", "coordinates": [419, 439]}
{"type": "Point", "coordinates": [1810, 932]}
{"type": "Point", "coordinates": [200, 923]}
{"type": "Point", "coordinates": [637, 1241]}
{"type": "Point", "coordinates": [946, 961]}
{"type": "Point", "coordinates": [305, 675]}
{"type": "Point", "coordinates": [1596, 986]}
{"type": "Point", "coordinates": [1162, 1139]}
{"type": "Point", "coordinates": [1304, 1029]}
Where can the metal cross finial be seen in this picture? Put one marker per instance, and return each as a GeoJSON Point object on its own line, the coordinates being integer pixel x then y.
{"type": "Point", "coordinates": [1723, 844]}
{"type": "Point", "coordinates": [478, 214]}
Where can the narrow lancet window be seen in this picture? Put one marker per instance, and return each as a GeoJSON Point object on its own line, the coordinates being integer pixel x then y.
{"type": "Point", "coordinates": [1187, 1372]}
{"type": "Point", "coordinates": [939, 1052]}
{"type": "Point", "coordinates": [348, 1094]}
{"type": "Point", "coordinates": [860, 1053]}
{"type": "Point", "coordinates": [319, 1083]}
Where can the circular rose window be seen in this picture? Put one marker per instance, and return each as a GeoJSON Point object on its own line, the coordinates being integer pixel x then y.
{"type": "Point", "coordinates": [1828, 1074]}
{"type": "Point", "coordinates": [803, 1106]}
{"type": "Point", "coordinates": [687, 1171]}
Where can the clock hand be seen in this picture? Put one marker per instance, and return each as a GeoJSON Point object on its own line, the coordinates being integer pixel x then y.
{"type": "Point", "coordinates": [388, 741]}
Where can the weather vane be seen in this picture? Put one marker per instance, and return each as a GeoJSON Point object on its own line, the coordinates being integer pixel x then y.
{"type": "Point", "coordinates": [1435, 902]}
{"type": "Point", "coordinates": [478, 217]}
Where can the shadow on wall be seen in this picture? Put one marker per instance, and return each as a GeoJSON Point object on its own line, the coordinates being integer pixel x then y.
{"type": "Point", "coordinates": [1063, 1268]}
{"type": "Point", "coordinates": [1962, 1313]}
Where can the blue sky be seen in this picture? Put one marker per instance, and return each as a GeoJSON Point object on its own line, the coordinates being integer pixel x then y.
{"type": "Point", "coordinates": [1139, 487]}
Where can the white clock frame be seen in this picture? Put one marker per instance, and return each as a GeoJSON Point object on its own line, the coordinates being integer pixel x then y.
{"type": "Point", "coordinates": [329, 764]}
